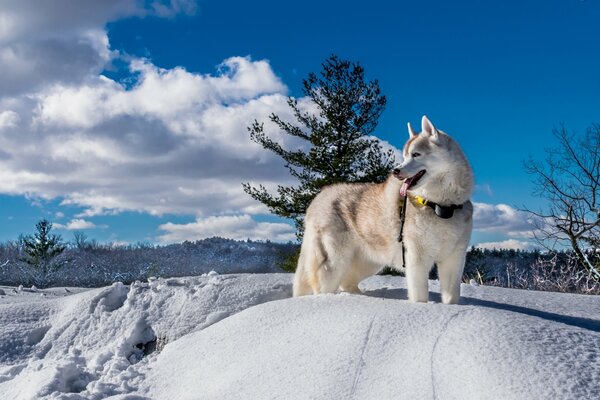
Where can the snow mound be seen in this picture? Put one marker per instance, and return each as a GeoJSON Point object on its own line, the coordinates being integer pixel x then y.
{"type": "Point", "coordinates": [344, 347]}
{"type": "Point", "coordinates": [242, 336]}
{"type": "Point", "coordinates": [91, 343]}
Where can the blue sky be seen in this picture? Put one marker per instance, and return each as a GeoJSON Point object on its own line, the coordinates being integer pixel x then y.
{"type": "Point", "coordinates": [126, 119]}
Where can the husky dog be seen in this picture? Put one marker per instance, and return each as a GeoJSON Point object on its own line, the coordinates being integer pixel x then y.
{"type": "Point", "coordinates": [353, 230]}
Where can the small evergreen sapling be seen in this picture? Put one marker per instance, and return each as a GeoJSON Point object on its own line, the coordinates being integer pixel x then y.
{"type": "Point", "coordinates": [339, 147]}
{"type": "Point", "coordinates": [41, 249]}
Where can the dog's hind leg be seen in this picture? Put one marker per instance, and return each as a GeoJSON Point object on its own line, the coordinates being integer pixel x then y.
{"type": "Point", "coordinates": [350, 285]}
{"type": "Point", "coordinates": [337, 260]}
{"type": "Point", "coordinates": [360, 270]}
{"type": "Point", "coordinates": [450, 271]}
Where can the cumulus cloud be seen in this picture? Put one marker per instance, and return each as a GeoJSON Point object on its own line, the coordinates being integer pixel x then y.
{"type": "Point", "coordinates": [231, 226]}
{"type": "Point", "coordinates": [510, 244]}
{"type": "Point", "coordinates": [172, 97]}
{"type": "Point", "coordinates": [502, 219]}
{"type": "Point", "coordinates": [77, 224]}
{"type": "Point", "coordinates": [175, 142]}
{"type": "Point", "coordinates": [37, 37]}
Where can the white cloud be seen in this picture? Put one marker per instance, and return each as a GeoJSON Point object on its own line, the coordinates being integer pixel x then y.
{"type": "Point", "coordinates": [508, 244]}
{"type": "Point", "coordinates": [502, 219]}
{"type": "Point", "coordinates": [175, 142]}
{"type": "Point", "coordinates": [37, 37]}
{"type": "Point", "coordinates": [8, 119]}
{"type": "Point", "coordinates": [173, 97]}
{"type": "Point", "coordinates": [231, 226]}
{"type": "Point", "coordinates": [78, 224]}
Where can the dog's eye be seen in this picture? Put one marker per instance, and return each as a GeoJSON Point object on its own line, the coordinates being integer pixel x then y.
{"type": "Point", "coordinates": [415, 154]}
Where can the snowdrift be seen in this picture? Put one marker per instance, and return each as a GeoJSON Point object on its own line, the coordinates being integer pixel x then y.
{"type": "Point", "coordinates": [241, 336]}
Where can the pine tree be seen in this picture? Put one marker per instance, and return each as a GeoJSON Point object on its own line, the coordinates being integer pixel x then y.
{"type": "Point", "coordinates": [340, 148]}
{"type": "Point", "coordinates": [41, 248]}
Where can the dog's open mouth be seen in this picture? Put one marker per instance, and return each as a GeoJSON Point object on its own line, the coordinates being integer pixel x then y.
{"type": "Point", "coordinates": [410, 182]}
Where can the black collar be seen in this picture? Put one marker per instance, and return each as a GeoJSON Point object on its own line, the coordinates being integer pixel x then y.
{"type": "Point", "coordinates": [444, 212]}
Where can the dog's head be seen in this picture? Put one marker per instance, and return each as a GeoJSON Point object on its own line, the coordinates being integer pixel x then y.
{"type": "Point", "coordinates": [425, 154]}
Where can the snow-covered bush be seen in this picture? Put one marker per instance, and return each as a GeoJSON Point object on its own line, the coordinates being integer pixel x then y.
{"type": "Point", "coordinates": [559, 272]}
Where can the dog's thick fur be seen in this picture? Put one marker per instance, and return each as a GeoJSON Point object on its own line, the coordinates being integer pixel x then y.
{"type": "Point", "coordinates": [351, 230]}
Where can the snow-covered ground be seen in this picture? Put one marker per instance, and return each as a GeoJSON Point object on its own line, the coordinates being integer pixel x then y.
{"type": "Point", "coordinates": [243, 337]}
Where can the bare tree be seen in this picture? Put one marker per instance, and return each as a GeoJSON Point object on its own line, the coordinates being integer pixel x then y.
{"type": "Point", "coordinates": [80, 240]}
{"type": "Point", "coordinates": [569, 179]}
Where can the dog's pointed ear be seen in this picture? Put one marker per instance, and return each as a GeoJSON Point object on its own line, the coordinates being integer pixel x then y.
{"type": "Point", "coordinates": [427, 127]}
{"type": "Point", "coordinates": [411, 131]}
{"type": "Point", "coordinates": [430, 130]}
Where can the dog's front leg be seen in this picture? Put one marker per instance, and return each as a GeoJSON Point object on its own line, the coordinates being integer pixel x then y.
{"type": "Point", "coordinates": [417, 274]}
{"type": "Point", "coordinates": [450, 271]}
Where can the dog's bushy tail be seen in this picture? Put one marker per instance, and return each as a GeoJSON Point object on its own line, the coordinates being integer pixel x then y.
{"type": "Point", "coordinates": [306, 280]}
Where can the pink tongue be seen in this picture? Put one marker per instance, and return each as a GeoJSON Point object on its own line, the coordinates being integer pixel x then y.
{"type": "Point", "coordinates": [405, 186]}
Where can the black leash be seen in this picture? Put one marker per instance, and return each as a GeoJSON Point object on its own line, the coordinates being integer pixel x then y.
{"type": "Point", "coordinates": [401, 235]}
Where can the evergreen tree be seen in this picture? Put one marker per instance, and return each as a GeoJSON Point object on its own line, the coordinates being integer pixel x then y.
{"type": "Point", "coordinates": [42, 247]}
{"type": "Point", "coordinates": [339, 145]}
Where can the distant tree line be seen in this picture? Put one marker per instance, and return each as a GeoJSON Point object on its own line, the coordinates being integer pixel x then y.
{"type": "Point", "coordinates": [44, 259]}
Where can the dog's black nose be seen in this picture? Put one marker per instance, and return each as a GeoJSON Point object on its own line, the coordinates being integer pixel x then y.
{"type": "Point", "coordinates": [396, 171]}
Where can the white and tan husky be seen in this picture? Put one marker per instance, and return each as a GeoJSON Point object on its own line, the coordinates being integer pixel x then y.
{"type": "Point", "coordinates": [352, 230]}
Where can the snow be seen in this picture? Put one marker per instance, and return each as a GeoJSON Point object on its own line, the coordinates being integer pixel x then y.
{"type": "Point", "coordinates": [242, 336]}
